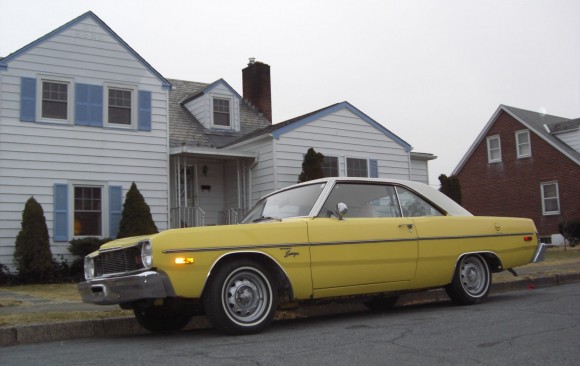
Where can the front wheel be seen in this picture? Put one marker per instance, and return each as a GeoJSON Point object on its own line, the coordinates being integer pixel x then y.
{"type": "Point", "coordinates": [471, 281]}
{"type": "Point", "coordinates": [241, 298]}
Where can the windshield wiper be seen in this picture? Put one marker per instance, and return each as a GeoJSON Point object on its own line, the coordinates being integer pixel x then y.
{"type": "Point", "coordinates": [266, 218]}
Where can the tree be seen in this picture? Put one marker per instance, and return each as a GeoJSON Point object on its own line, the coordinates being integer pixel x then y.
{"type": "Point", "coordinates": [32, 253]}
{"type": "Point", "coordinates": [311, 166]}
{"type": "Point", "coordinates": [136, 217]}
{"type": "Point", "coordinates": [570, 230]}
{"type": "Point", "coordinates": [451, 187]}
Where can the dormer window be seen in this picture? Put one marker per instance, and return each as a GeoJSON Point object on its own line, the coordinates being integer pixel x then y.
{"type": "Point", "coordinates": [221, 112]}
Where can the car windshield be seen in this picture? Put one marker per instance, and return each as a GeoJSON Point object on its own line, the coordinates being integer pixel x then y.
{"type": "Point", "coordinates": [293, 202]}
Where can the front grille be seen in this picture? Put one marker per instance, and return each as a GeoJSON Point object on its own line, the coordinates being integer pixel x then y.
{"type": "Point", "coordinates": [118, 261]}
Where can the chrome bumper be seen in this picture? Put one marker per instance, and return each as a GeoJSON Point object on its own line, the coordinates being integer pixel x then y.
{"type": "Point", "coordinates": [118, 290]}
{"type": "Point", "coordinates": [540, 252]}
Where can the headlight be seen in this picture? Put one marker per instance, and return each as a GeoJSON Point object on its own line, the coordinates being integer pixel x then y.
{"type": "Point", "coordinates": [146, 256]}
{"type": "Point", "coordinates": [89, 267]}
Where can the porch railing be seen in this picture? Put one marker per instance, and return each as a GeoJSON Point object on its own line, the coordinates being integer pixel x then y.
{"type": "Point", "coordinates": [187, 217]}
{"type": "Point", "coordinates": [234, 215]}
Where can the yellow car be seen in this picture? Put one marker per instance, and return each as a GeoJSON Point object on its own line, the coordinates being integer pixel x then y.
{"type": "Point", "coordinates": [322, 240]}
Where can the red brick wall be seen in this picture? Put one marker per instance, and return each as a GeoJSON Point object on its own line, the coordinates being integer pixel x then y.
{"type": "Point", "coordinates": [512, 187]}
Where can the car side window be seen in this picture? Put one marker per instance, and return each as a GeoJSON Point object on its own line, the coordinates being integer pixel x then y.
{"type": "Point", "coordinates": [363, 200]}
{"type": "Point", "coordinates": [415, 206]}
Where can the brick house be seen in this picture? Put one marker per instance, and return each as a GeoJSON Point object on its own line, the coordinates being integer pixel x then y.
{"type": "Point", "coordinates": [524, 164]}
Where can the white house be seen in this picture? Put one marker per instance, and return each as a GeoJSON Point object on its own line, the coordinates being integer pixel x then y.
{"type": "Point", "coordinates": [82, 116]}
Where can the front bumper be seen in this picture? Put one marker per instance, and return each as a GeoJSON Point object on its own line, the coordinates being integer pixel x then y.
{"type": "Point", "coordinates": [540, 253]}
{"type": "Point", "coordinates": [124, 289]}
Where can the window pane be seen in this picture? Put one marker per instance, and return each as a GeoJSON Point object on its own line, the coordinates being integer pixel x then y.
{"type": "Point", "coordinates": [54, 100]}
{"type": "Point", "coordinates": [363, 200]}
{"type": "Point", "coordinates": [356, 167]}
{"type": "Point", "coordinates": [221, 112]}
{"type": "Point", "coordinates": [120, 106]}
{"type": "Point", "coordinates": [551, 201]}
{"type": "Point", "coordinates": [415, 206]}
{"type": "Point", "coordinates": [330, 166]}
{"type": "Point", "coordinates": [87, 211]}
{"type": "Point", "coordinates": [523, 142]}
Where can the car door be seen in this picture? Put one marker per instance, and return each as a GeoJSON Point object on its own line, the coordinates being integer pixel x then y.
{"type": "Point", "coordinates": [370, 245]}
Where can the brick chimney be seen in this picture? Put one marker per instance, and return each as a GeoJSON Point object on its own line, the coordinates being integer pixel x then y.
{"type": "Point", "coordinates": [256, 84]}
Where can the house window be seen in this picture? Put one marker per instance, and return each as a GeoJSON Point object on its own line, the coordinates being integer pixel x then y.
{"type": "Point", "coordinates": [88, 211]}
{"type": "Point", "coordinates": [330, 166]}
{"type": "Point", "coordinates": [221, 112]}
{"type": "Point", "coordinates": [356, 167]}
{"type": "Point", "coordinates": [523, 145]}
{"type": "Point", "coordinates": [550, 198]}
{"type": "Point", "coordinates": [54, 100]}
{"type": "Point", "coordinates": [493, 149]}
{"type": "Point", "coordinates": [120, 106]}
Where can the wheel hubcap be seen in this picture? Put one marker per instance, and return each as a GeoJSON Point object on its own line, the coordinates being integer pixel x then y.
{"type": "Point", "coordinates": [473, 276]}
{"type": "Point", "coordinates": [246, 297]}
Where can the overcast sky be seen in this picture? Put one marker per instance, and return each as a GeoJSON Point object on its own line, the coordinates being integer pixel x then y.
{"type": "Point", "coordinates": [432, 72]}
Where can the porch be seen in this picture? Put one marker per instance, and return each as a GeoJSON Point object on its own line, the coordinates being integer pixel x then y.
{"type": "Point", "coordinates": [208, 189]}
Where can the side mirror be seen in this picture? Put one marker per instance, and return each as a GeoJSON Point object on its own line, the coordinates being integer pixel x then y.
{"type": "Point", "coordinates": [341, 210]}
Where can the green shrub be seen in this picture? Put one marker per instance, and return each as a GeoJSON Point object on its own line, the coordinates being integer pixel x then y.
{"type": "Point", "coordinates": [136, 217]}
{"type": "Point", "coordinates": [311, 166]}
{"type": "Point", "coordinates": [451, 187]}
{"type": "Point", "coordinates": [32, 254]}
{"type": "Point", "coordinates": [570, 230]}
{"type": "Point", "coordinates": [85, 246]}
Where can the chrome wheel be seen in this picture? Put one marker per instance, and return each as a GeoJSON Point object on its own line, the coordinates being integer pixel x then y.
{"type": "Point", "coordinates": [247, 296]}
{"type": "Point", "coordinates": [474, 276]}
{"type": "Point", "coordinates": [241, 297]}
{"type": "Point", "coordinates": [471, 281]}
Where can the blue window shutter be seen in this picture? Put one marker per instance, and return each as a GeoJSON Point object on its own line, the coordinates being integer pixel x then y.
{"type": "Point", "coordinates": [89, 105]}
{"type": "Point", "coordinates": [374, 168]}
{"type": "Point", "coordinates": [144, 110]}
{"type": "Point", "coordinates": [82, 104]}
{"type": "Point", "coordinates": [115, 209]}
{"type": "Point", "coordinates": [96, 106]}
{"type": "Point", "coordinates": [27, 99]}
{"type": "Point", "coordinates": [60, 212]}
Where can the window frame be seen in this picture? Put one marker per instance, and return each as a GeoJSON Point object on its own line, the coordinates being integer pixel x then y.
{"type": "Point", "coordinates": [346, 167]}
{"type": "Point", "coordinates": [230, 101]}
{"type": "Point", "coordinates": [490, 159]}
{"type": "Point", "coordinates": [40, 80]}
{"type": "Point", "coordinates": [519, 144]}
{"type": "Point", "coordinates": [134, 105]}
{"type": "Point", "coordinates": [544, 198]}
{"type": "Point", "coordinates": [104, 187]}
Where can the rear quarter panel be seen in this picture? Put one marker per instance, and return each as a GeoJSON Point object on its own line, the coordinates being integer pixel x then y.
{"type": "Point", "coordinates": [443, 240]}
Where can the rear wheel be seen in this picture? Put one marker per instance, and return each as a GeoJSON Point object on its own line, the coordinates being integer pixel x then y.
{"type": "Point", "coordinates": [241, 298]}
{"type": "Point", "coordinates": [471, 281]}
{"type": "Point", "coordinates": [162, 319]}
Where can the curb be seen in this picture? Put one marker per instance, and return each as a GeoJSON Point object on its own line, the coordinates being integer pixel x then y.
{"type": "Point", "coordinates": [128, 326]}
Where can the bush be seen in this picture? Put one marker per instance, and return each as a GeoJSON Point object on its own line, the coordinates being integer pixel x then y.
{"type": "Point", "coordinates": [32, 253]}
{"type": "Point", "coordinates": [570, 230]}
{"type": "Point", "coordinates": [311, 166]}
{"type": "Point", "coordinates": [85, 246]}
{"type": "Point", "coordinates": [136, 217]}
{"type": "Point", "coordinates": [451, 187]}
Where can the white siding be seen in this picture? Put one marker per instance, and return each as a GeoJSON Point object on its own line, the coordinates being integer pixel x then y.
{"type": "Point", "coordinates": [344, 135]}
{"type": "Point", "coordinates": [419, 170]}
{"type": "Point", "coordinates": [262, 175]}
{"type": "Point", "coordinates": [35, 156]}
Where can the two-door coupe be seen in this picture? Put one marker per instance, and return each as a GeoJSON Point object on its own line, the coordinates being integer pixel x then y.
{"type": "Point", "coordinates": [321, 240]}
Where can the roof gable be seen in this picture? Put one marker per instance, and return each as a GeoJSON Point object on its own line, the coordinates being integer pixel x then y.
{"type": "Point", "coordinates": [538, 123]}
{"type": "Point", "coordinates": [282, 128]}
{"type": "Point", "coordinates": [208, 89]}
{"type": "Point", "coordinates": [5, 61]}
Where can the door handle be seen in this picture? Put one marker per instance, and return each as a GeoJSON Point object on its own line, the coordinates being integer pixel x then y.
{"type": "Point", "coordinates": [408, 226]}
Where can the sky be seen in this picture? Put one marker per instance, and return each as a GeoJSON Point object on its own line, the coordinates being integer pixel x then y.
{"type": "Point", "coordinates": [431, 71]}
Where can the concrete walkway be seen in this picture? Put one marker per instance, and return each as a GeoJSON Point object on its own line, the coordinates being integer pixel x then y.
{"type": "Point", "coordinates": [530, 277]}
